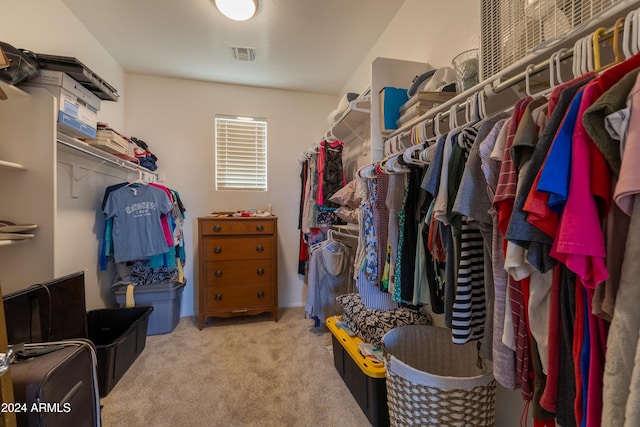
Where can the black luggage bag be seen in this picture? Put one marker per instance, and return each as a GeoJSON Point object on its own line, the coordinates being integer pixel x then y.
{"type": "Point", "coordinates": [55, 385]}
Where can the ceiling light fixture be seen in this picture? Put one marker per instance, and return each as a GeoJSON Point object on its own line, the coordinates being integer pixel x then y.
{"type": "Point", "coordinates": [238, 10]}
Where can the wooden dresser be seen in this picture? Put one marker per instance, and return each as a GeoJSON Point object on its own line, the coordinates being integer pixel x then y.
{"type": "Point", "coordinates": [238, 266]}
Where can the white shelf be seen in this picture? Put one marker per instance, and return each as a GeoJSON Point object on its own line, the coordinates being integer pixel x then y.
{"type": "Point", "coordinates": [12, 91]}
{"type": "Point", "coordinates": [13, 242]}
{"type": "Point", "coordinates": [354, 117]}
{"type": "Point", "coordinates": [11, 165]}
{"type": "Point", "coordinates": [93, 152]}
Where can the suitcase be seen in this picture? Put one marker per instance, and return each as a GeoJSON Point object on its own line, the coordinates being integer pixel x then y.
{"type": "Point", "coordinates": [55, 384]}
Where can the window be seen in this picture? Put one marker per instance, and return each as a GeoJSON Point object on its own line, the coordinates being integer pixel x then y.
{"type": "Point", "coordinates": [241, 153]}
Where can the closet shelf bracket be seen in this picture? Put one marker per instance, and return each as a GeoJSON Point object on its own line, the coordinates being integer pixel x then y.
{"type": "Point", "coordinates": [80, 178]}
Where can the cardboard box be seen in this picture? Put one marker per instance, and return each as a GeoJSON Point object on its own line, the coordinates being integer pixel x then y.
{"type": "Point", "coordinates": [66, 82]}
{"type": "Point", "coordinates": [77, 106]}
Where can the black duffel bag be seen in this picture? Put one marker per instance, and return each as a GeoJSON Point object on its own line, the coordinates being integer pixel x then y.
{"type": "Point", "coordinates": [22, 64]}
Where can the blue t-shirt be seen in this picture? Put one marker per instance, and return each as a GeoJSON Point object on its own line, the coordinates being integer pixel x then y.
{"type": "Point", "coordinates": [137, 230]}
{"type": "Point", "coordinates": [555, 175]}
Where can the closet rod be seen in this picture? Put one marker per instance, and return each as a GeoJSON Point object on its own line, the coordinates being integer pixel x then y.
{"type": "Point", "coordinates": [490, 87]}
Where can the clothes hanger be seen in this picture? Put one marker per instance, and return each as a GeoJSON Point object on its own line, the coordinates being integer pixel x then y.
{"type": "Point", "coordinates": [588, 49]}
{"type": "Point", "coordinates": [582, 56]}
{"type": "Point", "coordinates": [596, 49]}
{"type": "Point", "coordinates": [558, 65]}
{"type": "Point", "coordinates": [616, 39]}
{"type": "Point", "coordinates": [577, 56]}
{"type": "Point", "coordinates": [482, 105]}
{"type": "Point", "coordinates": [394, 167]}
{"type": "Point", "coordinates": [453, 117]}
{"type": "Point", "coordinates": [552, 70]}
{"type": "Point", "coordinates": [368, 171]}
{"type": "Point", "coordinates": [627, 34]}
{"type": "Point", "coordinates": [635, 33]}
{"type": "Point", "coordinates": [412, 155]}
{"type": "Point", "coordinates": [139, 180]}
{"type": "Point", "coordinates": [435, 127]}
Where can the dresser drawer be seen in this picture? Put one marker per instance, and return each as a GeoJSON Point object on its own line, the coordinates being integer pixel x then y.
{"type": "Point", "coordinates": [219, 273]}
{"type": "Point", "coordinates": [210, 228]}
{"type": "Point", "coordinates": [238, 299]}
{"type": "Point", "coordinates": [255, 247]}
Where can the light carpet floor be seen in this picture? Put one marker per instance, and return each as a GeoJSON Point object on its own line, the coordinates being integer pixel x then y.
{"type": "Point", "coordinates": [243, 371]}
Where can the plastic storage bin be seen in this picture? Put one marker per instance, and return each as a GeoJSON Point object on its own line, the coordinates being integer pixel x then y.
{"type": "Point", "coordinates": [364, 378]}
{"type": "Point", "coordinates": [165, 298]}
{"type": "Point", "coordinates": [433, 382]}
{"type": "Point", "coordinates": [119, 335]}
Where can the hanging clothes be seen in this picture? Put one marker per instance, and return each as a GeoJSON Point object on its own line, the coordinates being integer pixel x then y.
{"type": "Point", "coordinates": [137, 229]}
{"type": "Point", "coordinates": [330, 275]}
{"type": "Point", "coordinates": [331, 176]}
{"type": "Point", "coordinates": [408, 238]}
{"type": "Point", "coordinates": [473, 202]}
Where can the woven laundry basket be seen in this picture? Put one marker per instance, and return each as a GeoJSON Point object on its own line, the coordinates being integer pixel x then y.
{"type": "Point", "coordinates": [433, 382]}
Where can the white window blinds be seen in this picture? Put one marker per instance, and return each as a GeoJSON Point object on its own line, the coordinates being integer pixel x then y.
{"type": "Point", "coordinates": [241, 153]}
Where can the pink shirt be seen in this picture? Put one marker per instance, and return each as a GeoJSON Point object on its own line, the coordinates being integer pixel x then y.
{"type": "Point", "coordinates": [164, 220]}
{"type": "Point", "coordinates": [629, 180]}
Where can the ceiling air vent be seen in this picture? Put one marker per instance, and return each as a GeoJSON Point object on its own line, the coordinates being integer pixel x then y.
{"type": "Point", "coordinates": [244, 54]}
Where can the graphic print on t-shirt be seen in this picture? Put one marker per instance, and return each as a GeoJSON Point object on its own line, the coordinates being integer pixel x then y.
{"type": "Point", "coordinates": [137, 228]}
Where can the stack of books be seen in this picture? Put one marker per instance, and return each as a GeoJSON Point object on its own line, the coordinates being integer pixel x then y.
{"type": "Point", "coordinates": [109, 140]}
{"type": "Point", "coordinates": [422, 102]}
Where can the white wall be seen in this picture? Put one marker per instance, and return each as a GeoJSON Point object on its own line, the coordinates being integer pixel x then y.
{"type": "Point", "coordinates": [429, 31]}
{"type": "Point", "coordinates": [176, 118]}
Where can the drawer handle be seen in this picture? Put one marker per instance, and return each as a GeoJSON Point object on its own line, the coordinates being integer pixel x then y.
{"type": "Point", "coordinates": [260, 248]}
{"type": "Point", "coordinates": [260, 227]}
{"type": "Point", "coordinates": [260, 271]}
{"type": "Point", "coordinates": [217, 228]}
{"type": "Point", "coordinates": [217, 249]}
{"type": "Point", "coordinates": [260, 294]}
{"type": "Point", "coordinates": [218, 297]}
{"type": "Point", "coordinates": [218, 273]}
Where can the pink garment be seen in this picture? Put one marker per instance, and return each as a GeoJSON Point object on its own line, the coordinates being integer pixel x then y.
{"type": "Point", "coordinates": [629, 180]}
{"type": "Point", "coordinates": [320, 170]}
{"type": "Point", "coordinates": [579, 242]}
{"type": "Point", "coordinates": [164, 220]}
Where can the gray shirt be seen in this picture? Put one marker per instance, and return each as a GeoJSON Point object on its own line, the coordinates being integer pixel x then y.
{"type": "Point", "coordinates": [137, 229]}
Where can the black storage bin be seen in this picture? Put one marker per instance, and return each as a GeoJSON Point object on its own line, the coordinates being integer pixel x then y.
{"type": "Point", "coordinates": [55, 310]}
{"type": "Point", "coordinates": [119, 335]}
{"type": "Point", "coordinates": [365, 379]}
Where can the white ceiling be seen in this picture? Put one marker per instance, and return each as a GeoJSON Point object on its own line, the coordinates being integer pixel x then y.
{"type": "Point", "coordinates": [306, 45]}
